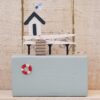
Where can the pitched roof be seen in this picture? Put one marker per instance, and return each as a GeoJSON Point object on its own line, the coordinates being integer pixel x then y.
{"type": "Point", "coordinates": [34, 15]}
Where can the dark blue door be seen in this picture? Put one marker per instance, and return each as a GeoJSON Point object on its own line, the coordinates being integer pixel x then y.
{"type": "Point", "coordinates": [34, 29]}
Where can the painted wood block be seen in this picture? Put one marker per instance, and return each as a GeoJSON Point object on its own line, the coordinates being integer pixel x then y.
{"type": "Point", "coordinates": [51, 76]}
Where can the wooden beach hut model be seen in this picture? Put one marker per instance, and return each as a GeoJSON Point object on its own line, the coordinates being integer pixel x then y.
{"type": "Point", "coordinates": [34, 22]}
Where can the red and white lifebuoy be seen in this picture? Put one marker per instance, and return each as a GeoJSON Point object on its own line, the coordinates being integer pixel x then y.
{"type": "Point", "coordinates": [26, 69]}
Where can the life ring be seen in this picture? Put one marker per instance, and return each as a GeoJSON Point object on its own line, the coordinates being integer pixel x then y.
{"type": "Point", "coordinates": [26, 69]}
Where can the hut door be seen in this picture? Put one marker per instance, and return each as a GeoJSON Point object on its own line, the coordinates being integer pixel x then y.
{"type": "Point", "coordinates": [34, 29]}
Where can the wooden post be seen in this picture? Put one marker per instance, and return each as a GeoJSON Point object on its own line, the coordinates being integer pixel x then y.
{"type": "Point", "coordinates": [73, 26]}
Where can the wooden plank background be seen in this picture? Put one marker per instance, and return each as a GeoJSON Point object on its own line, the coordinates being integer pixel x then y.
{"type": "Point", "coordinates": [87, 30]}
{"type": "Point", "coordinates": [58, 15]}
{"type": "Point", "coordinates": [10, 38]}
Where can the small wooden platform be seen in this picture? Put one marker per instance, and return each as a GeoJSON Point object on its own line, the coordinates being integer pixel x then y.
{"type": "Point", "coordinates": [7, 95]}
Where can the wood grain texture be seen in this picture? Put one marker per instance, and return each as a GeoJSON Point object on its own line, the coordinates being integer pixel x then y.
{"type": "Point", "coordinates": [7, 95]}
{"type": "Point", "coordinates": [40, 47]}
{"type": "Point", "coordinates": [87, 30]}
{"type": "Point", "coordinates": [10, 38]}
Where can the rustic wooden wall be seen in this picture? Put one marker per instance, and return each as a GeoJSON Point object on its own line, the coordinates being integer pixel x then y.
{"type": "Point", "coordinates": [10, 38]}
{"type": "Point", "coordinates": [87, 30]}
{"type": "Point", "coordinates": [58, 16]}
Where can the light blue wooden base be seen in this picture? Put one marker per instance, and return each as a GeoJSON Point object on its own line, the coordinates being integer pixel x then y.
{"type": "Point", "coordinates": [51, 76]}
